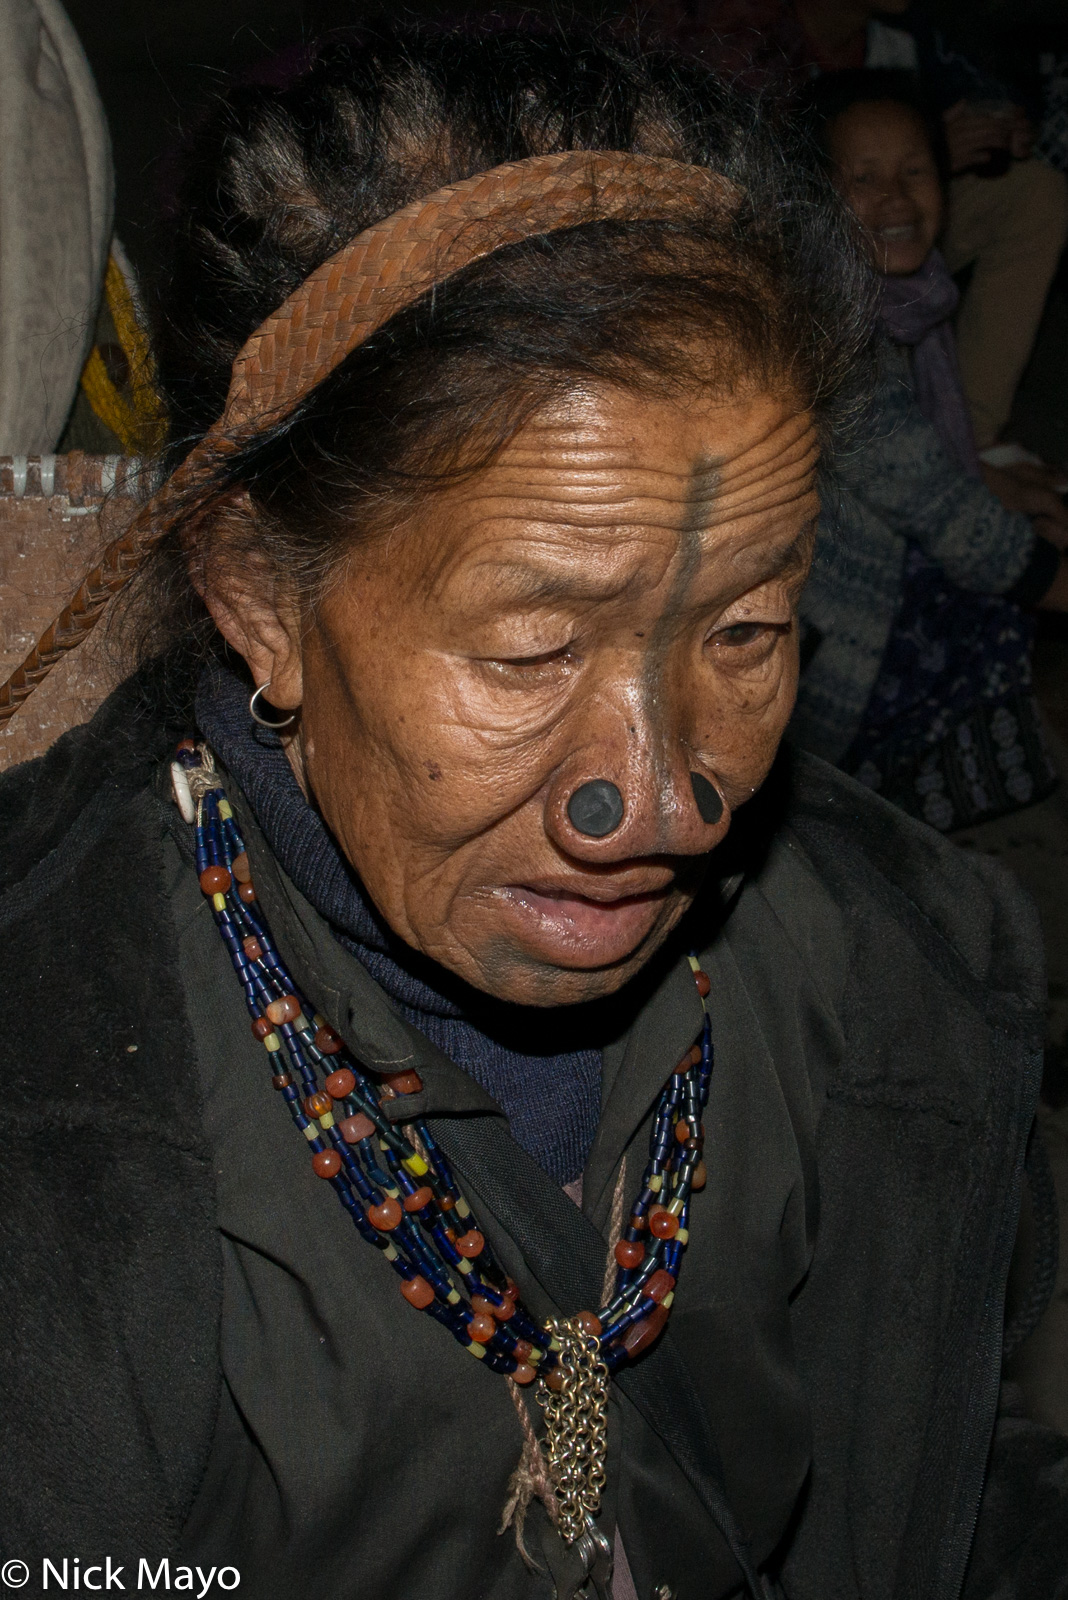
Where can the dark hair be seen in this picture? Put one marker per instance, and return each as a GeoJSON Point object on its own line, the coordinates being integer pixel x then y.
{"type": "Point", "coordinates": [834, 93]}
{"type": "Point", "coordinates": [279, 177]}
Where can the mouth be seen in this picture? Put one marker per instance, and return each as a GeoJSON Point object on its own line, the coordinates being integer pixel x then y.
{"type": "Point", "coordinates": [902, 233]}
{"type": "Point", "coordinates": [582, 930]}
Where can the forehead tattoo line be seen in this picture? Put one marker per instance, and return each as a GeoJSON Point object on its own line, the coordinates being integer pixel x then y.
{"type": "Point", "coordinates": [702, 491]}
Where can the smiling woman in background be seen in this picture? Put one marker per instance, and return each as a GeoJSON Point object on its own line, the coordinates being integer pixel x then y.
{"type": "Point", "coordinates": [484, 1091]}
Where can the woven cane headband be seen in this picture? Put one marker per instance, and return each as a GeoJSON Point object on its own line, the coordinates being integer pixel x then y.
{"type": "Point", "coordinates": [380, 272]}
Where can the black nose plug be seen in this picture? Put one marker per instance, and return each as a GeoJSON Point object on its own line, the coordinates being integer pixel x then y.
{"type": "Point", "coordinates": [709, 800]}
{"type": "Point", "coordinates": [596, 808]}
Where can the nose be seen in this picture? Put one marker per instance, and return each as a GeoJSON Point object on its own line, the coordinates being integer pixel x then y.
{"type": "Point", "coordinates": [631, 792]}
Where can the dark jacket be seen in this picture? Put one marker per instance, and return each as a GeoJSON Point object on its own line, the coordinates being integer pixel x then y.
{"type": "Point", "coordinates": [110, 1259]}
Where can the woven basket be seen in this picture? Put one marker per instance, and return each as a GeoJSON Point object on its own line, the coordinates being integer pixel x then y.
{"type": "Point", "coordinates": [53, 512]}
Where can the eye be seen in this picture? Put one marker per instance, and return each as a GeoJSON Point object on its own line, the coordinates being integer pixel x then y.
{"type": "Point", "coordinates": [741, 633]}
{"type": "Point", "coordinates": [543, 660]}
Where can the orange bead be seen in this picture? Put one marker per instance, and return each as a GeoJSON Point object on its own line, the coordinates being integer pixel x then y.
{"type": "Point", "coordinates": [282, 1080]}
{"type": "Point", "coordinates": [417, 1292]}
{"type": "Point", "coordinates": [629, 1252]}
{"type": "Point", "coordinates": [511, 1290]}
{"type": "Point", "coordinates": [640, 1335]}
{"type": "Point", "coordinates": [703, 982]}
{"type": "Point", "coordinates": [287, 1009]}
{"type": "Point", "coordinates": [215, 880]}
{"type": "Point", "coordinates": [700, 1176]}
{"type": "Point", "coordinates": [327, 1041]}
{"type": "Point", "coordinates": [405, 1082]}
{"type": "Point", "coordinates": [340, 1083]}
{"type": "Point", "coordinates": [418, 1198]}
{"type": "Point", "coordinates": [185, 744]}
{"type": "Point", "coordinates": [555, 1380]}
{"type": "Point", "coordinates": [524, 1374]}
{"type": "Point", "coordinates": [481, 1328]}
{"type": "Point", "coordinates": [588, 1324]}
{"type": "Point", "coordinates": [663, 1224]}
{"type": "Point", "coordinates": [682, 1130]}
{"type": "Point", "coordinates": [638, 1224]}
{"type": "Point", "coordinates": [470, 1243]}
{"type": "Point", "coordinates": [695, 1056]}
{"type": "Point", "coordinates": [252, 948]}
{"type": "Point", "coordinates": [326, 1163]}
{"type": "Point", "coordinates": [522, 1350]}
{"type": "Point", "coordinates": [353, 1129]}
{"type": "Point", "coordinates": [447, 1203]}
{"type": "Point", "coordinates": [385, 1216]}
{"type": "Point", "coordinates": [660, 1284]}
{"type": "Point", "coordinates": [246, 893]}
{"type": "Point", "coordinates": [240, 868]}
{"type": "Point", "coordinates": [261, 1028]}
{"type": "Point", "coordinates": [317, 1105]}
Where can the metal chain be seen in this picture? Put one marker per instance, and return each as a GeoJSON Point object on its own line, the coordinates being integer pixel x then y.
{"type": "Point", "coordinates": [576, 1427]}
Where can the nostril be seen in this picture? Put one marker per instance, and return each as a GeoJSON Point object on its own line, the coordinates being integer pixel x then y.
{"type": "Point", "coordinates": [596, 808]}
{"type": "Point", "coordinates": [709, 800]}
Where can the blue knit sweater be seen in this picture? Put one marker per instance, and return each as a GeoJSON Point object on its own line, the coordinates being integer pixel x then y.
{"type": "Point", "coordinates": [897, 485]}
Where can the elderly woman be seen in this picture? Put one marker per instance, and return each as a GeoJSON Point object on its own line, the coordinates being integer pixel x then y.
{"type": "Point", "coordinates": [472, 1127]}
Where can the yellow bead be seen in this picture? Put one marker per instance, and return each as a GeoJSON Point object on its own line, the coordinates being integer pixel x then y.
{"type": "Point", "coordinates": [272, 1042]}
{"type": "Point", "coordinates": [415, 1165]}
{"type": "Point", "coordinates": [462, 1208]}
{"type": "Point", "coordinates": [219, 902]}
{"type": "Point", "coordinates": [302, 1024]}
{"type": "Point", "coordinates": [675, 1207]}
{"type": "Point", "coordinates": [695, 965]}
{"type": "Point", "coordinates": [668, 1298]}
{"type": "Point", "coordinates": [683, 1236]}
{"type": "Point", "coordinates": [454, 1297]}
{"type": "Point", "coordinates": [656, 1183]}
{"type": "Point", "coordinates": [534, 1357]}
{"type": "Point", "coordinates": [394, 1194]}
{"type": "Point", "coordinates": [476, 1350]}
{"type": "Point", "coordinates": [311, 1132]}
{"type": "Point", "coordinates": [390, 1252]}
{"type": "Point", "coordinates": [327, 1120]}
{"type": "Point", "coordinates": [225, 810]}
{"type": "Point", "coordinates": [465, 1265]}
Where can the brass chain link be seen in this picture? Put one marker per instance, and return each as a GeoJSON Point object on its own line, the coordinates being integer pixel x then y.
{"type": "Point", "coordinates": [576, 1427]}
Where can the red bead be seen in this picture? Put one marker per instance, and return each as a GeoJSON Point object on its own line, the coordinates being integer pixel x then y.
{"type": "Point", "coordinates": [417, 1292]}
{"type": "Point", "coordinates": [555, 1380]}
{"type": "Point", "coordinates": [252, 948]}
{"type": "Point", "coordinates": [700, 1176]}
{"type": "Point", "coordinates": [522, 1350]}
{"type": "Point", "coordinates": [663, 1224]}
{"type": "Point", "coordinates": [240, 868]}
{"type": "Point", "coordinates": [317, 1105]}
{"type": "Point", "coordinates": [215, 880]}
{"type": "Point", "coordinates": [511, 1290]}
{"type": "Point", "coordinates": [446, 1202]}
{"type": "Point", "coordinates": [640, 1335]}
{"type": "Point", "coordinates": [185, 744]}
{"type": "Point", "coordinates": [703, 982]}
{"type": "Point", "coordinates": [287, 1009]}
{"type": "Point", "coordinates": [660, 1284]}
{"type": "Point", "coordinates": [418, 1198]}
{"type": "Point", "coordinates": [282, 1080]}
{"type": "Point", "coordinates": [682, 1130]}
{"type": "Point", "coordinates": [326, 1163]}
{"type": "Point", "coordinates": [405, 1082]}
{"type": "Point", "coordinates": [470, 1243]}
{"type": "Point", "coordinates": [261, 1028]}
{"type": "Point", "coordinates": [695, 1056]}
{"type": "Point", "coordinates": [629, 1252]}
{"type": "Point", "coordinates": [481, 1328]}
{"type": "Point", "coordinates": [523, 1374]}
{"type": "Point", "coordinates": [340, 1083]}
{"type": "Point", "coordinates": [638, 1224]}
{"type": "Point", "coordinates": [246, 893]}
{"type": "Point", "coordinates": [327, 1041]}
{"type": "Point", "coordinates": [385, 1216]}
{"type": "Point", "coordinates": [353, 1129]}
{"type": "Point", "coordinates": [588, 1324]}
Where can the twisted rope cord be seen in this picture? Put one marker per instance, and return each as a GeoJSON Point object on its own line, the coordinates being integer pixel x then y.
{"type": "Point", "coordinates": [342, 303]}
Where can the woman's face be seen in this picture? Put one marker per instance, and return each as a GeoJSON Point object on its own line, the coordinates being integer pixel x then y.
{"type": "Point", "coordinates": [613, 598]}
{"type": "Point", "coordinates": [885, 169]}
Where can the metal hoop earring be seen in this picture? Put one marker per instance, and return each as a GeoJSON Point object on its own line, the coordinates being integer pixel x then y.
{"type": "Point", "coordinates": [266, 722]}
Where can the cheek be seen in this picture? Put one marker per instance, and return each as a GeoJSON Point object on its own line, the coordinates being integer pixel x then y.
{"type": "Point", "coordinates": [743, 716]}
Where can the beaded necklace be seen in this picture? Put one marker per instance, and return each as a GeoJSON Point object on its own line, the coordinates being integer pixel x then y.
{"type": "Point", "coordinates": [402, 1197]}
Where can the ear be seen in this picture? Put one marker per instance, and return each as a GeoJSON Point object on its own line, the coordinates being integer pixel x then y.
{"type": "Point", "coordinates": [253, 611]}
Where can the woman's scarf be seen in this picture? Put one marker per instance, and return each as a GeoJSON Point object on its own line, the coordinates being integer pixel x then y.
{"type": "Point", "coordinates": [916, 310]}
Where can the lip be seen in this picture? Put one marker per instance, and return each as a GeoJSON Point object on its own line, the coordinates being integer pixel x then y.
{"type": "Point", "coordinates": [898, 234]}
{"type": "Point", "coordinates": [592, 929]}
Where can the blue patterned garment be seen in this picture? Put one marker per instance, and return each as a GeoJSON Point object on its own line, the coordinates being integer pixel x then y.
{"type": "Point", "coordinates": [951, 731]}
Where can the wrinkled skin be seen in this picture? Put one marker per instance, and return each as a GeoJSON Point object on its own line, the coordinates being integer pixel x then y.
{"type": "Point", "coordinates": [615, 597]}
